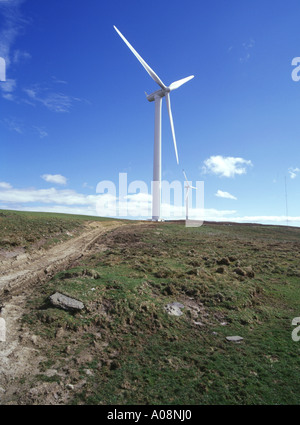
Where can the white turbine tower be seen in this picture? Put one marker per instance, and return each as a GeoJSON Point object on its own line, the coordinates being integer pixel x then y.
{"type": "Point", "coordinates": [157, 97]}
{"type": "Point", "coordinates": [187, 187]}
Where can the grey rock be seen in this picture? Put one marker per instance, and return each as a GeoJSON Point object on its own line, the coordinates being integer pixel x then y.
{"type": "Point", "coordinates": [174, 309]}
{"type": "Point", "coordinates": [234, 338]}
{"type": "Point", "coordinates": [66, 303]}
{"type": "Point", "coordinates": [2, 330]}
{"type": "Point", "coordinates": [70, 387]}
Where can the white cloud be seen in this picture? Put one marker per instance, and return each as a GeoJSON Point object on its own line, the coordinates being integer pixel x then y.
{"type": "Point", "coordinates": [227, 195]}
{"type": "Point", "coordinates": [4, 185]}
{"type": "Point", "coordinates": [8, 86]}
{"type": "Point", "coordinates": [293, 172]}
{"type": "Point", "coordinates": [54, 178]}
{"type": "Point", "coordinates": [55, 102]}
{"type": "Point", "coordinates": [21, 56]}
{"type": "Point", "coordinates": [226, 166]}
{"type": "Point", "coordinates": [41, 132]}
{"type": "Point", "coordinates": [13, 125]}
{"type": "Point", "coordinates": [12, 23]}
{"type": "Point", "coordinates": [71, 202]}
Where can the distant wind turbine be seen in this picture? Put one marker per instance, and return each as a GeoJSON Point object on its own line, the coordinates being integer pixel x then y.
{"type": "Point", "coordinates": [188, 187]}
{"type": "Point", "coordinates": [157, 97]}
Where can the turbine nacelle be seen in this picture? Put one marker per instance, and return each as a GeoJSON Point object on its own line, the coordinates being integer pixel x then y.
{"type": "Point", "coordinates": [158, 93]}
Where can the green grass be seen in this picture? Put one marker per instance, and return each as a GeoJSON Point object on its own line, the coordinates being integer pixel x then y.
{"type": "Point", "coordinates": [20, 229]}
{"type": "Point", "coordinates": [138, 354]}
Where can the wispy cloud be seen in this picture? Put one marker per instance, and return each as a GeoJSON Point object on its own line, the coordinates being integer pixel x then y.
{"type": "Point", "coordinates": [293, 172]}
{"type": "Point", "coordinates": [54, 178]}
{"type": "Point", "coordinates": [41, 132]}
{"type": "Point", "coordinates": [227, 195]}
{"type": "Point", "coordinates": [247, 46]}
{"type": "Point", "coordinates": [13, 124]}
{"type": "Point", "coordinates": [226, 166]}
{"type": "Point", "coordinates": [21, 56]}
{"type": "Point", "coordinates": [55, 102]}
{"type": "Point", "coordinates": [13, 22]}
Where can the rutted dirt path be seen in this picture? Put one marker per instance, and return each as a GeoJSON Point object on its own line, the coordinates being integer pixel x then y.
{"type": "Point", "coordinates": [20, 354]}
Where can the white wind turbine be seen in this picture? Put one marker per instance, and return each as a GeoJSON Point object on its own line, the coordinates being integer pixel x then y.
{"type": "Point", "coordinates": [157, 97]}
{"type": "Point", "coordinates": [187, 187]}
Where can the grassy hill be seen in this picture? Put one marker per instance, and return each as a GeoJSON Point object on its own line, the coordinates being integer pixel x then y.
{"type": "Point", "coordinates": [125, 348]}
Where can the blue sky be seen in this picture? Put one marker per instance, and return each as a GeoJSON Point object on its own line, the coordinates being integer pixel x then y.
{"type": "Point", "coordinates": [73, 110]}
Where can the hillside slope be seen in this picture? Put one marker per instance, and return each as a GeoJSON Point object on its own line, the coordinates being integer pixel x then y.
{"type": "Point", "coordinates": [126, 348]}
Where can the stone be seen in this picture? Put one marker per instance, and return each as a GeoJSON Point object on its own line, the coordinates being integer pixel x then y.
{"type": "Point", "coordinates": [174, 309]}
{"type": "Point", "coordinates": [65, 302]}
{"type": "Point", "coordinates": [234, 338]}
{"type": "Point", "coordinates": [2, 330]}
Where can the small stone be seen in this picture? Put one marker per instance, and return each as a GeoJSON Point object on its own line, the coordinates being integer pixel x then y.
{"type": "Point", "coordinates": [70, 387]}
{"type": "Point", "coordinates": [2, 330]}
{"type": "Point", "coordinates": [34, 339]}
{"type": "Point", "coordinates": [174, 309]}
{"type": "Point", "coordinates": [234, 338]}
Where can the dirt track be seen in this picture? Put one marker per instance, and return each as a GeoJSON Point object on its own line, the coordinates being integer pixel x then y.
{"type": "Point", "coordinates": [19, 354]}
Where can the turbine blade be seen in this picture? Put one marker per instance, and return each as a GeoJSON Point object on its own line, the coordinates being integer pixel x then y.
{"type": "Point", "coordinates": [185, 176]}
{"type": "Point", "coordinates": [172, 124]}
{"type": "Point", "coordinates": [193, 187]}
{"type": "Point", "coordinates": [179, 83]}
{"type": "Point", "coordinates": [145, 65]}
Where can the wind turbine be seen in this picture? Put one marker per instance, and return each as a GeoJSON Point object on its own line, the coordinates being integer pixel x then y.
{"type": "Point", "coordinates": [157, 98]}
{"type": "Point", "coordinates": [188, 187]}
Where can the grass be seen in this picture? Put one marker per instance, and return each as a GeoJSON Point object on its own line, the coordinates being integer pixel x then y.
{"type": "Point", "coordinates": [135, 353]}
{"type": "Point", "coordinates": [19, 229]}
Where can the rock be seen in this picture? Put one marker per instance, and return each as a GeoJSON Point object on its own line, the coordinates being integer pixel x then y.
{"type": "Point", "coordinates": [50, 373]}
{"type": "Point", "coordinates": [234, 338]}
{"type": "Point", "coordinates": [240, 271]}
{"type": "Point", "coordinates": [198, 323]}
{"type": "Point", "coordinates": [223, 262]}
{"type": "Point", "coordinates": [174, 309]}
{"type": "Point", "coordinates": [66, 303]}
{"type": "Point", "coordinates": [70, 387]}
{"type": "Point", "coordinates": [2, 330]}
{"type": "Point", "coordinates": [34, 339]}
